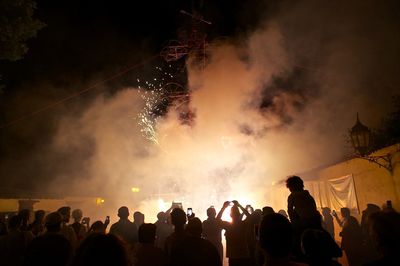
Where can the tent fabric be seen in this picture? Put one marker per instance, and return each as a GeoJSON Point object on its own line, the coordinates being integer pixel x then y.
{"type": "Point", "coordinates": [334, 193]}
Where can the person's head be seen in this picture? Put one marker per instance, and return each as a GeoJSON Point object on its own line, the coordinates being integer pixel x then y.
{"type": "Point", "coordinates": [267, 210]}
{"type": "Point", "coordinates": [65, 212]}
{"type": "Point", "coordinates": [15, 222]}
{"type": "Point", "coordinates": [97, 227]}
{"type": "Point", "coordinates": [385, 231]}
{"type": "Point", "coordinates": [345, 212]}
{"type": "Point", "coordinates": [194, 227]}
{"type": "Point", "coordinates": [123, 212]}
{"type": "Point", "coordinates": [39, 215]}
{"type": "Point", "coordinates": [147, 233]}
{"type": "Point", "coordinates": [275, 236]}
{"type": "Point", "coordinates": [178, 218]}
{"type": "Point", "coordinates": [101, 249]}
{"type": "Point", "coordinates": [319, 246]}
{"type": "Point", "coordinates": [372, 208]}
{"type": "Point", "coordinates": [294, 183]}
{"type": "Point", "coordinates": [53, 222]}
{"type": "Point", "coordinates": [138, 217]}
{"type": "Point", "coordinates": [283, 212]}
{"type": "Point", "coordinates": [162, 217]}
{"type": "Point", "coordinates": [77, 215]}
{"type": "Point", "coordinates": [326, 212]}
{"type": "Point", "coordinates": [211, 213]}
{"type": "Point", "coordinates": [235, 214]}
{"type": "Point", "coordinates": [25, 215]}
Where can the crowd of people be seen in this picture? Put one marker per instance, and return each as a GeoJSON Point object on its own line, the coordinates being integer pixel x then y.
{"type": "Point", "coordinates": [300, 236]}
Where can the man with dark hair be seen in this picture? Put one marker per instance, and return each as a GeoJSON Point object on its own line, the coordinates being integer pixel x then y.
{"type": "Point", "coordinates": [193, 250]}
{"type": "Point", "coordinates": [66, 230]}
{"type": "Point", "coordinates": [212, 230]}
{"type": "Point", "coordinates": [145, 253]}
{"type": "Point", "coordinates": [125, 228]}
{"type": "Point", "coordinates": [275, 238]}
{"type": "Point", "coordinates": [51, 248]}
{"type": "Point", "coordinates": [178, 219]}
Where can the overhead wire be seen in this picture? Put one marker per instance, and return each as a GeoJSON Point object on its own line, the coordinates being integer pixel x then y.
{"type": "Point", "coordinates": [74, 95]}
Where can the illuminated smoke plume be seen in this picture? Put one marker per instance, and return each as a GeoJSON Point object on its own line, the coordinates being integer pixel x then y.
{"type": "Point", "coordinates": [263, 112]}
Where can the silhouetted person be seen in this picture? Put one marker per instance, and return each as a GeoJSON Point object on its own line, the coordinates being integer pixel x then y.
{"type": "Point", "coordinates": [25, 215]}
{"type": "Point", "coordinates": [365, 226]}
{"type": "Point", "coordinates": [212, 230]}
{"type": "Point", "coordinates": [77, 226]}
{"type": "Point", "coordinates": [370, 251]}
{"type": "Point", "coordinates": [37, 226]}
{"type": "Point", "coordinates": [267, 210]}
{"type": "Point", "coordinates": [97, 227]}
{"type": "Point", "coordinates": [385, 232]}
{"type": "Point", "coordinates": [101, 250]}
{"type": "Point", "coordinates": [235, 233]}
{"type": "Point", "coordinates": [320, 248]}
{"type": "Point", "coordinates": [252, 226]}
{"type": "Point", "coordinates": [138, 219]}
{"type": "Point", "coordinates": [276, 240]}
{"type": "Point", "coordinates": [351, 237]}
{"type": "Point", "coordinates": [193, 250]}
{"type": "Point", "coordinates": [164, 229]}
{"type": "Point", "coordinates": [66, 230]}
{"type": "Point", "coordinates": [178, 219]}
{"type": "Point", "coordinates": [13, 245]}
{"type": "Point", "coordinates": [51, 248]}
{"type": "Point", "coordinates": [327, 221]}
{"type": "Point", "coordinates": [302, 211]}
{"type": "Point", "coordinates": [145, 253]}
{"type": "Point", "coordinates": [284, 213]}
{"type": "Point", "coordinates": [124, 228]}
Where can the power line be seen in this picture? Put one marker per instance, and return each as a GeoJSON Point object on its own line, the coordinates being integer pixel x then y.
{"type": "Point", "coordinates": [51, 105]}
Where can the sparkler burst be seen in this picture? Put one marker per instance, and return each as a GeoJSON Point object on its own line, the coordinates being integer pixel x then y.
{"type": "Point", "coordinates": [160, 93]}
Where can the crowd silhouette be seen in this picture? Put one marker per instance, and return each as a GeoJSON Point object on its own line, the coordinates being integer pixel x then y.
{"type": "Point", "coordinates": [254, 237]}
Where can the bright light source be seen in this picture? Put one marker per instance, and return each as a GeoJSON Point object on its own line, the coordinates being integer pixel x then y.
{"type": "Point", "coordinates": [135, 189]}
{"type": "Point", "coordinates": [99, 201]}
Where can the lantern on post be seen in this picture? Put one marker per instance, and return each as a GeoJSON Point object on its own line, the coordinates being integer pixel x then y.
{"type": "Point", "coordinates": [360, 138]}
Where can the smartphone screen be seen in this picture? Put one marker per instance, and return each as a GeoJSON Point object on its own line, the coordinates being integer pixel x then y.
{"type": "Point", "coordinates": [189, 211]}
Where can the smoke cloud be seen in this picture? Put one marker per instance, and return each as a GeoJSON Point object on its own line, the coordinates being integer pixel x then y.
{"type": "Point", "coordinates": [274, 104]}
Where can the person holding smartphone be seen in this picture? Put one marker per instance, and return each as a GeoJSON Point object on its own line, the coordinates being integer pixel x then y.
{"type": "Point", "coordinates": [235, 233]}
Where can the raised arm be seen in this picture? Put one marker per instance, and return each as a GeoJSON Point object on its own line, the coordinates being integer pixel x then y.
{"type": "Point", "coordinates": [244, 211]}
{"type": "Point", "coordinates": [226, 204]}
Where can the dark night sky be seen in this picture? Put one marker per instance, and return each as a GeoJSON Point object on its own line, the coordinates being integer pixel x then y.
{"type": "Point", "coordinates": [86, 38]}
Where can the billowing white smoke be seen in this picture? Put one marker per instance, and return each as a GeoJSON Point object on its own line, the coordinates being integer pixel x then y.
{"type": "Point", "coordinates": [234, 149]}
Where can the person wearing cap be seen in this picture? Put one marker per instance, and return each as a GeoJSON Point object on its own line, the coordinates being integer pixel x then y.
{"type": "Point", "coordinates": [124, 228]}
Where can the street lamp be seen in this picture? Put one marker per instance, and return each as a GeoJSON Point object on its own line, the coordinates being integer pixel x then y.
{"type": "Point", "coordinates": [360, 138]}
